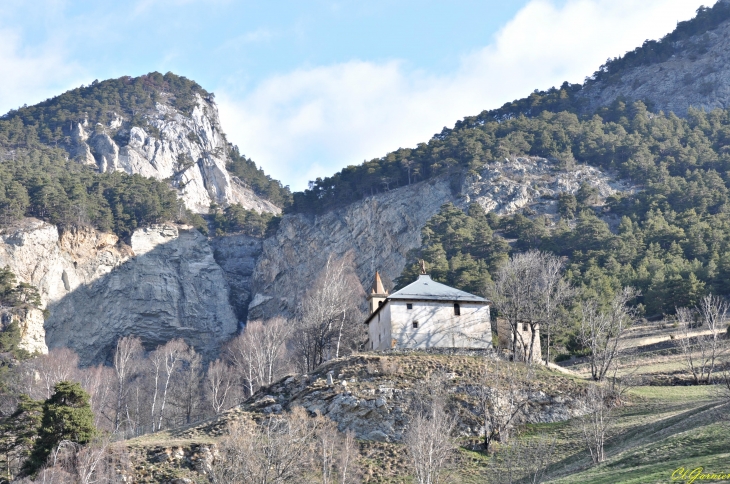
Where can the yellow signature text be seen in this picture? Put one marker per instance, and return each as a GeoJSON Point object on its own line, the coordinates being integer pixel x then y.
{"type": "Point", "coordinates": [698, 474]}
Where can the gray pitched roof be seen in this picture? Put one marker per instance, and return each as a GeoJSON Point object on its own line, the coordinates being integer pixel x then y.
{"type": "Point", "coordinates": [428, 289]}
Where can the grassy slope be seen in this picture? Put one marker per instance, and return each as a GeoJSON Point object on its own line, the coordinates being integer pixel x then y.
{"type": "Point", "coordinates": [662, 429]}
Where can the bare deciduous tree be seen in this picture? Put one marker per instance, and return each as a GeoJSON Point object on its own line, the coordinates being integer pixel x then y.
{"type": "Point", "coordinates": [597, 422]}
{"type": "Point", "coordinates": [515, 294]}
{"type": "Point", "coordinates": [238, 353]}
{"type": "Point", "coordinates": [258, 354]}
{"type": "Point", "coordinates": [219, 383]}
{"type": "Point", "coordinates": [43, 372]}
{"type": "Point", "coordinates": [327, 315]}
{"type": "Point", "coordinates": [98, 462]}
{"type": "Point", "coordinates": [502, 393]}
{"type": "Point", "coordinates": [602, 329]}
{"type": "Point", "coordinates": [164, 361]}
{"type": "Point", "coordinates": [335, 454]}
{"type": "Point", "coordinates": [620, 384]}
{"type": "Point", "coordinates": [286, 448]}
{"type": "Point", "coordinates": [126, 358]}
{"type": "Point", "coordinates": [428, 440]}
{"type": "Point", "coordinates": [529, 289]}
{"type": "Point", "coordinates": [702, 348]}
{"type": "Point", "coordinates": [99, 382]}
{"type": "Point", "coordinates": [186, 392]}
{"type": "Point", "coordinates": [555, 291]}
{"type": "Point", "coordinates": [267, 344]}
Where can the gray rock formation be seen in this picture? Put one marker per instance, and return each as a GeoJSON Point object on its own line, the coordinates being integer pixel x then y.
{"type": "Point", "coordinates": [507, 186]}
{"type": "Point", "coordinates": [174, 282]}
{"type": "Point", "coordinates": [166, 285]}
{"type": "Point", "coordinates": [30, 322]}
{"type": "Point", "coordinates": [380, 230]}
{"type": "Point", "coordinates": [190, 150]}
{"type": "Point", "coordinates": [237, 255]}
{"type": "Point", "coordinates": [376, 404]}
{"type": "Point", "coordinates": [698, 75]}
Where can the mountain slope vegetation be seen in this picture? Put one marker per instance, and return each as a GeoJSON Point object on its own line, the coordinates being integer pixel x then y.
{"type": "Point", "coordinates": [38, 179]}
{"type": "Point", "coordinates": [672, 239]}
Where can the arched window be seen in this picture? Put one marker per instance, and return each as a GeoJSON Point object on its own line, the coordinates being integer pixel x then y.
{"type": "Point", "coordinates": [457, 309]}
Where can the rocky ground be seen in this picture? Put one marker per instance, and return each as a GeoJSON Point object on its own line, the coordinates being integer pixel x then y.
{"type": "Point", "coordinates": [367, 394]}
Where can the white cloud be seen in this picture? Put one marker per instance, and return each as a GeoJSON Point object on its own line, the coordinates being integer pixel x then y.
{"type": "Point", "coordinates": [327, 117]}
{"type": "Point", "coordinates": [32, 75]}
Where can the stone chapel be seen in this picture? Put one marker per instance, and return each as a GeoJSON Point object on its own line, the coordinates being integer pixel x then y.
{"type": "Point", "coordinates": [426, 314]}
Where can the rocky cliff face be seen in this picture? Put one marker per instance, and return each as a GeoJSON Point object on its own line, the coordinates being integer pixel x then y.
{"type": "Point", "coordinates": [380, 230]}
{"type": "Point", "coordinates": [173, 282]}
{"type": "Point", "coordinates": [698, 76]}
{"type": "Point", "coordinates": [167, 284]}
{"type": "Point", "coordinates": [190, 150]}
{"type": "Point", "coordinates": [30, 323]}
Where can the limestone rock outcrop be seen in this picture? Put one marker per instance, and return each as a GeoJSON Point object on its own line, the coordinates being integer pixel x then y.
{"type": "Point", "coordinates": [190, 150]}
{"type": "Point", "coordinates": [30, 323]}
{"type": "Point", "coordinates": [698, 75]}
{"type": "Point", "coordinates": [166, 285]}
{"type": "Point", "coordinates": [380, 230]}
{"type": "Point", "coordinates": [237, 255]}
{"type": "Point", "coordinates": [371, 395]}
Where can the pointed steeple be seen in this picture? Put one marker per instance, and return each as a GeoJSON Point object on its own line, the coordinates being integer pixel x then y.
{"type": "Point", "coordinates": [377, 295]}
{"type": "Point", "coordinates": [378, 285]}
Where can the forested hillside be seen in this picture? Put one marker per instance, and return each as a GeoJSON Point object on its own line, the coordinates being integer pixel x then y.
{"type": "Point", "coordinates": [476, 140]}
{"type": "Point", "coordinates": [38, 179]}
{"type": "Point", "coordinates": [41, 182]}
{"type": "Point", "coordinates": [673, 239]}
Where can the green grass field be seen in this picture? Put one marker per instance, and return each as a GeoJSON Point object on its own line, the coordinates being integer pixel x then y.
{"type": "Point", "coordinates": [662, 429]}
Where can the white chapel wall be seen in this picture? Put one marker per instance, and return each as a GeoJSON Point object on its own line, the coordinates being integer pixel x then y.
{"type": "Point", "coordinates": [438, 326]}
{"type": "Point", "coordinates": [379, 330]}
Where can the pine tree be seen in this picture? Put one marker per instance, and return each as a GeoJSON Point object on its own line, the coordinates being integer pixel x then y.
{"type": "Point", "coordinates": [66, 416]}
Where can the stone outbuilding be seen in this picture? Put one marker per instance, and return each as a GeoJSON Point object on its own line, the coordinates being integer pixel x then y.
{"type": "Point", "coordinates": [427, 314]}
{"type": "Point", "coordinates": [521, 338]}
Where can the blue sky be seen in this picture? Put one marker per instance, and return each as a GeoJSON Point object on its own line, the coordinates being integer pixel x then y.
{"type": "Point", "coordinates": [306, 88]}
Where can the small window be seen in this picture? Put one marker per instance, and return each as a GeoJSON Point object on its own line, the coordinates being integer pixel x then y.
{"type": "Point", "coordinates": [457, 309]}
{"type": "Point", "coordinates": [415, 324]}
{"type": "Point", "coordinates": [380, 303]}
{"type": "Point", "coordinates": [409, 306]}
{"type": "Point", "coordinates": [524, 327]}
{"type": "Point", "coordinates": [371, 345]}
{"type": "Point", "coordinates": [380, 338]}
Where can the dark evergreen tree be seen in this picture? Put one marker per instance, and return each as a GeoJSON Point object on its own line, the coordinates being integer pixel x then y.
{"type": "Point", "coordinates": [66, 416]}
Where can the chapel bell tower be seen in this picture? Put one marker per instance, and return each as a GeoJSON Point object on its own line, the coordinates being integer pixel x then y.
{"type": "Point", "coordinates": [377, 295]}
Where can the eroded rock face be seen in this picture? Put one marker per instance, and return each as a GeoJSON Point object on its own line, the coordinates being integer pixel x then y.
{"type": "Point", "coordinates": [380, 230]}
{"type": "Point", "coordinates": [698, 76]}
{"type": "Point", "coordinates": [372, 395]}
{"type": "Point", "coordinates": [509, 185]}
{"type": "Point", "coordinates": [30, 323]}
{"type": "Point", "coordinates": [237, 255]}
{"type": "Point", "coordinates": [166, 285]}
{"type": "Point", "coordinates": [190, 150]}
